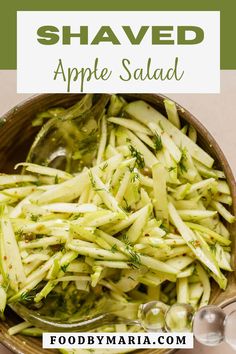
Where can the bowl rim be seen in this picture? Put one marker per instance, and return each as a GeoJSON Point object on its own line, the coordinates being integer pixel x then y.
{"type": "Point", "coordinates": [16, 345]}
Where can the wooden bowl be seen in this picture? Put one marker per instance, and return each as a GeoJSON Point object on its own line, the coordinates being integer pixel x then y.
{"type": "Point", "coordinates": [16, 136]}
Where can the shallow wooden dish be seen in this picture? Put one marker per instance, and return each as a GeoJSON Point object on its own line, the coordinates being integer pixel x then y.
{"type": "Point", "coordinates": [16, 136]}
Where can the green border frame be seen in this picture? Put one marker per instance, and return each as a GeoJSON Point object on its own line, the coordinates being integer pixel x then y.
{"type": "Point", "coordinates": [8, 9]}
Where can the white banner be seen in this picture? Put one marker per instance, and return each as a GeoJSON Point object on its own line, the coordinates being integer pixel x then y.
{"type": "Point", "coordinates": [117, 340]}
{"type": "Point", "coordinates": [118, 51]}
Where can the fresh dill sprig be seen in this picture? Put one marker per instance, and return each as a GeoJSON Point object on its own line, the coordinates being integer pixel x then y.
{"type": "Point", "coordinates": [134, 256]}
{"type": "Point", "coordinates": [19, 233]}
{"type": "Point", "coordinates": [127, 207]}
{"type": "Point", "coordinates": [126, 240]}
{"type": "Point", "coordinates": [64, 267]}
{"type": "Point", "coordinates": [56, 180]}
{"type": "Point", "coordinates": [103, 168]}
{"type": "Point", "coordinates": [93, 183]}
{"type": "Point", "coordinates": [172, 168]}
{"type": "Point", "coordinates": [36, 183]}
{"type": "Point", "coordinates": [182, 161]}
{"type": "Point", "coordinates": [213, 248]}
{"type": "Point", "coordinates": [134, 177]}
{"type": "Point", "coordinates": [138, 156]}
{"type": "Point", "coordinates": [34, 217]}
{"type": "Point", "coordinates": [88, 144]}
{"type": "Point", "coordinates": [131, 169]}
{"type": "Point", "coordinates": [157, 142]}
{"type": "Point", "coordinates": [164, 228]}
{"type": "Point", "coordinates": [26, 296]}
{"type": "Point", "coordinates": [114, 248]}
